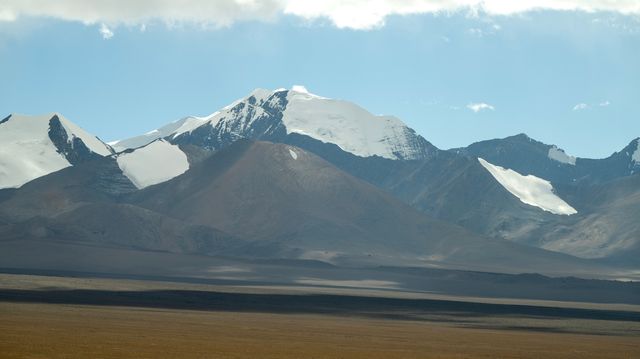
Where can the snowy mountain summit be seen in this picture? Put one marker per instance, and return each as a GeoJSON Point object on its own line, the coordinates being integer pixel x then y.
{"type": "Point", "coordinates": [350, 127]}
{"type": "Point", "coordinates": [283, 115]}
{"type": "Point", "coordinates": [34, 146]}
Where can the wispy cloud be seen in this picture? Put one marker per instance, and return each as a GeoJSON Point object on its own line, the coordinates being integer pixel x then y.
{"type": "Point", "coordinates": [476, 32]}
{"type": "Point", "coordinates": [586, 106]}
{"type": "Point", "coordinates": [105, 32]}
{"type": "Point", "coordinates": [353, 14]}
{"type": "Point", "coordinates": [481, 106]}
{"type": "Point", "coordinates": [580, 107]}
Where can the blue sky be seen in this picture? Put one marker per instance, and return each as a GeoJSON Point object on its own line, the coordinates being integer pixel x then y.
{"type": "Point", "coordinates": [570, 78]}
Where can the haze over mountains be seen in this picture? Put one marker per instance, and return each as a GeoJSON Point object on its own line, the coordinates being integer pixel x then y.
{"type": "Point", "coordinates": [287, 174]}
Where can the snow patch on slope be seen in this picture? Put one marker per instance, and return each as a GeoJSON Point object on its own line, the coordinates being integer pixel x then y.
{"type": "Point", "coordinates": [293, 154]}
{"type": "Point", "coordinates": [155, 163]}
{"type": "Point", "coordinates": [347, 125]}
{"type": "Point", "coordinates": [91, 141]}
{"type": "Point", "coordinates": [636, 155]}
{"type": "Point", "coordinates": [559, 155]}
{"type": "Point", "coordinates": [26, 151]}
{"type": "Point", "coordinates": [529, 189]}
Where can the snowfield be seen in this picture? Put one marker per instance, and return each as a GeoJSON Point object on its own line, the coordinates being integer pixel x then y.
{"type": "Point", "coordinates": [155, 163]}
{"type": "Point", "coordinates": [530, 189]}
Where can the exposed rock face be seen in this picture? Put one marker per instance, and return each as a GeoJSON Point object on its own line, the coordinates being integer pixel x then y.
{"type": "Point", "coordinates": [254, 118]}
{"type": "Point", "coordinates": [73, 149]}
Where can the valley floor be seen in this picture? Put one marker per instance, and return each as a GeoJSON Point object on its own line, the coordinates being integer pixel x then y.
{"type": "Point", "coordinates": [54, 317]}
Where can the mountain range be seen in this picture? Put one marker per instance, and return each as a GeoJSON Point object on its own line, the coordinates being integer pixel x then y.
{"type": "Point", "coordinates": [287, 174]}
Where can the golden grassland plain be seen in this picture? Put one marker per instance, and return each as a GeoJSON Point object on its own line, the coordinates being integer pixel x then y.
{"type": "Point", "coordinates": [64, 331]}
{"type": "Point", "coordinates": [32, 329]}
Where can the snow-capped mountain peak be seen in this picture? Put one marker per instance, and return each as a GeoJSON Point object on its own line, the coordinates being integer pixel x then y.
{"type": "Point", "coordinates": [349, 126]}
{"type": "Point", "coordinates": [93, 143]}
{"type": "Point", "coordinates": [275, 115]}
{"type": "Point", "coordinates": [34, 146]}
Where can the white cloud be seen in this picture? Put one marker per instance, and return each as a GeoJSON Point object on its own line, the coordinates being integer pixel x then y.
{"type": "Point", "coordinates": [476, 32]}
{"type": "Point", "coordinates": [481, 106]}
{"type": "Point", "coordinates": [216, 13]}
{"type": "Point", "coordinates": [586, 106]}
{"type": "Point", "coordinates": [7, 15]}
{"type": "Point", "coordinates": [580, 107]}
{"type": "Point", "coordinates": [105, 32]}
{"type": "Point", "coordinates": [367, 14]}
{"type": "Point", "coordinates": [353, 14]}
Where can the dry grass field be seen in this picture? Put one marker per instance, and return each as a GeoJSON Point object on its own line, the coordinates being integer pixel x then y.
{"type": "Point", "coordinates": [63, 331]}
{"type": "Point", "coordinates": [135, 319]}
